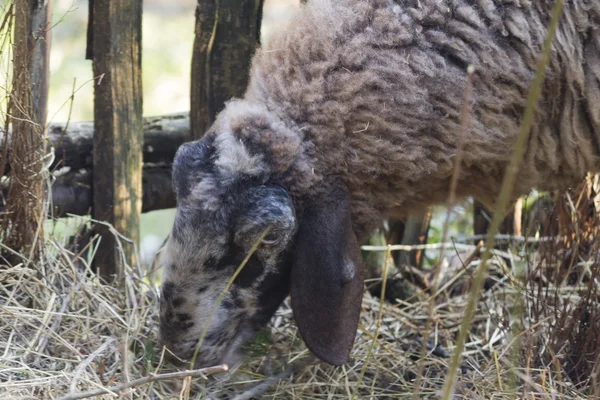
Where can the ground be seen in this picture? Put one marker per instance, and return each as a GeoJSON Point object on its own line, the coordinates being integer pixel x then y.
{"type": "Point", "coordinates": [535, 335]}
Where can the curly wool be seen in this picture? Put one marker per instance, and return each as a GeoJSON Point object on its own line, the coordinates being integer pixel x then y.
{"type": "Point", "coordinates": [370, 92]}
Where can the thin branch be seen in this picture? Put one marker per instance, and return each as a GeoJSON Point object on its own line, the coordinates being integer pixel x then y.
{"type": "Point", "coordinates": [87, 362]}
{"type": "Point", "coordinates": [259, 389]}
{"type": "Point", "coordinates": [202, 373]}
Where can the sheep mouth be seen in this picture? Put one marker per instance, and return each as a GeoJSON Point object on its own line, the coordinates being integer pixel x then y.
{"type": "Point", "coordinates": [231, 355]}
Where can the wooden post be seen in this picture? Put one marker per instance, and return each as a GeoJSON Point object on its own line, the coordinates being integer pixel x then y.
{"type": "Point", "coordinates": [415, 231]}
{"type": "Point", "coordinates": [518, 217]}
{"type": "Point", "coordinates": [227, 33]}
{"type": "Point", "coordinates": [114, 45]}
{"type": "Point", "coordinates": [22, 221]}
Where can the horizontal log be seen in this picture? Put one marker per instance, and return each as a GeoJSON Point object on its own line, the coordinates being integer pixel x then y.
{"type": "Point", "coordinates": [72, 192]}
{"type": "Point", "coordinates": [73, 146]}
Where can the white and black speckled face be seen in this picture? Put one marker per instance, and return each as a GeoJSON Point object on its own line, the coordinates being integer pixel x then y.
{"type": "Point", "coordinates": [225, 203]}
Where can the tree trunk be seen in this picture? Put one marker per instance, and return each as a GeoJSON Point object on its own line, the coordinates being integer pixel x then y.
{"type": "Point", "coordinates": [227, 33]}
{"type": "Point", "coordinates": [23, 220]}
{"type": "Point", "coordinates": [116, 51]}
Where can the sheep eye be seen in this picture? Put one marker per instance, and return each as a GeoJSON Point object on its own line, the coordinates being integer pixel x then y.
{"type": "Point", "coordinates": [271, 238]}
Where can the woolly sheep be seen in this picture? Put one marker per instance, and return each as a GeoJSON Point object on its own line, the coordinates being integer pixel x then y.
{"type": "Point", "coordinates": [352, 115]}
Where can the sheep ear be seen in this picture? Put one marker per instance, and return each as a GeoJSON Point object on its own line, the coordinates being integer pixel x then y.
{"type": "Point", "coordinates": [327, 278]}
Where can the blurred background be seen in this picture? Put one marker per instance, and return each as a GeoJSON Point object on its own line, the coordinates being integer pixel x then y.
{"type": "Point", "coordinates": [167, 37]}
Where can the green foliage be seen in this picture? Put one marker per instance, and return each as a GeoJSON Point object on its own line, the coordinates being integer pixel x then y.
{"type": "Point", "coordinates": [144, 348]}
{"type": "Point", "coordinates": [259, 345]}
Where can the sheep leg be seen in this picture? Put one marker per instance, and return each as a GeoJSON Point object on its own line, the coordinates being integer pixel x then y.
{"type": "Point", "coordinates": [413, 230]}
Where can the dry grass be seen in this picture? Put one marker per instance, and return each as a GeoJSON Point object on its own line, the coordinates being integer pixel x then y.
{"type": "Point", "coordinates": [63, 332]}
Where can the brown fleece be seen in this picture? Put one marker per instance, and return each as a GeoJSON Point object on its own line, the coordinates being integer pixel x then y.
{"type": "Point", "coordinates": [370, 92]}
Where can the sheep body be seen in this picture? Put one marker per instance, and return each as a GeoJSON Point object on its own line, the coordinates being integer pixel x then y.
{"type": "Point", "coordinates": [352, 113]}
{"type": "Point", "coordinates": [373, 91]}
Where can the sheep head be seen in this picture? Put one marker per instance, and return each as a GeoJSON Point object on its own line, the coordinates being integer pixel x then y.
{"type": "Point", "coordinates": [227, 198]}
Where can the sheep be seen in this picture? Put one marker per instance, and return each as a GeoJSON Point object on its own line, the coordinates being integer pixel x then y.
{"type": "Point", "coordinates": [352, 115]}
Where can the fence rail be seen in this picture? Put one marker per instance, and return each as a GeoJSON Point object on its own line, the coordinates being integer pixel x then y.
{"type": "Point", "coordinates": [72, 144]}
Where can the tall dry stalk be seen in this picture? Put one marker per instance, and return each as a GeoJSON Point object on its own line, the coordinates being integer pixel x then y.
{"type": "Point", "coordinates": [503, 198]}
{"type": "Point", "coordinates": [451, 203]}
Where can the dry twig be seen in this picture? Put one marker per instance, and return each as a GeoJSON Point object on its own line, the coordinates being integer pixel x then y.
{"type": "Point", "coordinates": [196, 373]}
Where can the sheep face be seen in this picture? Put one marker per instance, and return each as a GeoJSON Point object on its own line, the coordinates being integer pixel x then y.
{"type": "Point", "coordinates": [228, 195]}
{"type": "Point", "coordinates": [224, 207]}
